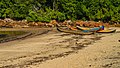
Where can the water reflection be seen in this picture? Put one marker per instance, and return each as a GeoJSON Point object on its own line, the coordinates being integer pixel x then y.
{"type": "Point", "coordinates": [5, 34]}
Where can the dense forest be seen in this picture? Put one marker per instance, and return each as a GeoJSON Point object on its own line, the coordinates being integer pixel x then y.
{"type": "Point", "coordinates": [60, 10]}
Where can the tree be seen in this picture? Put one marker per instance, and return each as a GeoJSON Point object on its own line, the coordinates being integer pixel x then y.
{"type": "Point", "coordinates": [46, 10]}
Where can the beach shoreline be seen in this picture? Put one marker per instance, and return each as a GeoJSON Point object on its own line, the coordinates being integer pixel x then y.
{"type": "Point", "coordinates": [55, 49]}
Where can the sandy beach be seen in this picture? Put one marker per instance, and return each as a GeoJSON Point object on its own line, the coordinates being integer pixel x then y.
{"type": "Point", "coordinates": [62, 50]}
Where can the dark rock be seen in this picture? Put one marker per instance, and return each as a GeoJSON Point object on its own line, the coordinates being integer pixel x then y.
{"type": "Point", "coordinates": [118, 40]}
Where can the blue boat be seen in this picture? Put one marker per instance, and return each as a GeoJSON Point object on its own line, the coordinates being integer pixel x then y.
{"type": "Point", "coordinates": [85, 29]}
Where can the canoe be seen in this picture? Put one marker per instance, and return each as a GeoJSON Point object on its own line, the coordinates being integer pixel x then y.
{"type": "Point", "coordinates": [107, 31]}
{"type": "Point", "coordinates": [85, 29]}
{"type": "Point", "coordinates": [74, 31]}
{"type": "Point", "coordinates": [71, 28]}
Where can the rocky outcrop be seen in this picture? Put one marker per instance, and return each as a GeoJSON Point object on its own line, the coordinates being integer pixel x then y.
{"type": "Point", "coordinates": [9, 23]}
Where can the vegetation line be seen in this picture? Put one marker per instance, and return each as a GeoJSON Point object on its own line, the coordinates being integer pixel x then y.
{"type": "Point", "coordinates": [60, 10]}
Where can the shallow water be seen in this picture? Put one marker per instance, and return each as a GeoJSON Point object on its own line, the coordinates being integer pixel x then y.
{"type": "Point", "coordinates": [5, 34]}
{"type": "Point", "coordinates": [2, 35]}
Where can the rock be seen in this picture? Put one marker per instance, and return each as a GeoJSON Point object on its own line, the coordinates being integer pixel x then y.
{"type": "Point", "coordinates": [8, 20]}
{"type": "Point", "coordinates": [53, 22]}
{"type": "Point", "coordinates": [25, 26]}
{"type": "Point", "coordinates": [118, 40]}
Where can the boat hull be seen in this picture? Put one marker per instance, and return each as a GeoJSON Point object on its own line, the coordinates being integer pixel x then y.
{"type": "Point", "coordinates": [74, 31]}
{"type": "Point", "coordinates": [89, 29]}
{"type": "Point", "coordinates": [107, 31]}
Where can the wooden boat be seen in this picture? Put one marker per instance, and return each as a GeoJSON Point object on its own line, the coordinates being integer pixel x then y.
{"type": "Point", "coordinates": [85, 29]}
{"type": "Point", "coordinates": [74, 31]}
{"type": "Point", "coordinates": [107, 31]}
{"type": "Point", "coordinates": [71, 28]}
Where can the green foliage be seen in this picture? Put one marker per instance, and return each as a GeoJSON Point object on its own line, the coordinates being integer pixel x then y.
{"type": "Point", "coordinates": [45, 15]}
{"type": "Point", "coordinates": [47, 10]}
{"type": "Point", "coordinates": [68, 7]}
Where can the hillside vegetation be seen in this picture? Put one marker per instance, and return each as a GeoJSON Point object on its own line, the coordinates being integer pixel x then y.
{"type": "Point", "coordinates": [60, 10]}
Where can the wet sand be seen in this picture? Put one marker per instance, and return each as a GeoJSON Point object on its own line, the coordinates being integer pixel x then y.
{"type": "Point", "coordinates": [62, 50]}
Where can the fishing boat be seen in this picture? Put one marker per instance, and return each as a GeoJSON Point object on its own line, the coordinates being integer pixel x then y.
{"type": "Point", "coordinates": [78, 32]}
{"type": "Point", "coordinates": [85, 29]}
{"type": "Point", "coordinates": [107, 31]}
{"type": "Point", "coordinates": [72, 28]}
